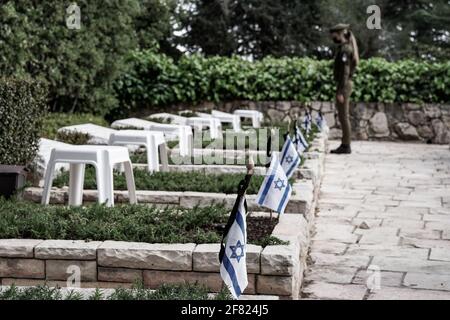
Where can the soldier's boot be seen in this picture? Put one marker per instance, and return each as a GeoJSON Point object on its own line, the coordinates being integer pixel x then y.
{"type": "Point", "coordinates": [343, 149]}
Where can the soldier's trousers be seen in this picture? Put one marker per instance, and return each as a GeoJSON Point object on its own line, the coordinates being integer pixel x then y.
{"type": "Point", "coordinates": [344, 114]}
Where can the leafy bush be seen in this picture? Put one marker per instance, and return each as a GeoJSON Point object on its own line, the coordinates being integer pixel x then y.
{"type": "Point", "coordinates": [156, 80]}
{"type": "Point", "coordinates": [53, 121]}
{"type": "Point", "coordinates": [22, 107]}
{"type": "Point", "coordinates": [170, 181]}
{"type": "Point", "coordinates": [136, 223]}
{"type": "Point", "coordinates": [79, 66]}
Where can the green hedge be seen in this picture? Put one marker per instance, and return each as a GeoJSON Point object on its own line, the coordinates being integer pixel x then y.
{"type": "Point", "coordinates": [156, 80]}
{"type": "Point", "coordinates": [22, 108]}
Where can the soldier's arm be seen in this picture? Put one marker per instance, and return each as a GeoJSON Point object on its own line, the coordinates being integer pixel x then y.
{"type": "Point", "coordinates": [347, 57]}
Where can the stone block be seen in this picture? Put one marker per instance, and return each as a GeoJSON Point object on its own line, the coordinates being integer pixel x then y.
{"type": "Point", "coordinates": [416, 118]}
{"type": "Point", "coordinates": [67, 250]}
{"type": "Point", "coordinates": [206, 258]}
{"type": "Point", "coordinates": [379, 125]}
{"type": "Point", "coordinates": [22, 268]}
{"type": "Point", "coordinates": [18, 248]}
{"type": "Point", "coordinates": [138, 255]}
{"type": "Point", "coordinates": [279, 260]}
{"type": "Point", "coordinates": [154, 279]}
{"type": "Point", "coordinates": [63, 269]}
{"type": "Point", "coordinates": [406, 131]}
{"type": "Point", "coordinates": [119, 275]}
{"type": "Point", "coordinates": [276, 285]}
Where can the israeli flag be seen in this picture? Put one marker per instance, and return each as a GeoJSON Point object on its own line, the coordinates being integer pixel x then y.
{"type": "Point", "coordinates": [290, 159]}
{"type": "Point", "coordinates": [233, 265]}
{"type": "Point", "coordinates": [300, 141]}
{"type": "Point", "coordinates": [321, 122]}
{"type": "Point", "coordinates": [275, 190]}
{"type": "Point", "coordinates": [307, 122]}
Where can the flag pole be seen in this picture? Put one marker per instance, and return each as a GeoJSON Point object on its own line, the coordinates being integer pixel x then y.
{"type": "Point", "coordinates": [242, 188]}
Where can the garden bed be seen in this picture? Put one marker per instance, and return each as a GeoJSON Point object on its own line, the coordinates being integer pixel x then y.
{"type": "Point", "coordinates": [170, 181]}
{"type": "Point", "coordinates": [137, 223]}
{"type": "Point", "coordinates": [274, 268]}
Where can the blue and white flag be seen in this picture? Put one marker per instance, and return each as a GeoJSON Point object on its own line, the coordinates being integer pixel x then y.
{"type": "Point", "coordinates": [290, 158]}
{"type": "Point", "coordinates": [300, 141]}
{"type": "Point", "coordinates": [275, 190]}
{"type": "Point", "coordinates": [233, 254]}
{"type": "Point", "coordinates": [321, 122]}
{"type": "Point", "coordinates": [307, 122]}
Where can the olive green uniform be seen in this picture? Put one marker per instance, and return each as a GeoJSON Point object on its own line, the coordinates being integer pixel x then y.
{"type": "Point", "coordinates": [343, 72]}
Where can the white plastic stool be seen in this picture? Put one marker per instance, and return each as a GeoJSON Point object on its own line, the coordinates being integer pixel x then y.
{"type": "Point", "coordinates": [182, 133]}
{"type": "Point", "coordinates": [255, 115]}
{"type": "Point", "coordinates": [103, 158]}
{"type": "Point", "coordinates": [235, 120]}
{"type": "Point", "coordinates": [150, 139]}
{"type": "Point", "coordinates": [215, 127]}
{"type": "Point", "coordinates": [199, 123]}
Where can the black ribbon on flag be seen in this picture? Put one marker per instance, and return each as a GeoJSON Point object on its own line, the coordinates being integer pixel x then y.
{"type": "Point", "coordinates": [242, 188]}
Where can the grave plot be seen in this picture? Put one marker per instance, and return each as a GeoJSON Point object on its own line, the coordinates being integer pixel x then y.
{"type": "Point", "coordinates": [159, 244]}
{"type": "Point", "coordinates": [190, 189]}
{"type": "Point", "coordinates": [116, 247]}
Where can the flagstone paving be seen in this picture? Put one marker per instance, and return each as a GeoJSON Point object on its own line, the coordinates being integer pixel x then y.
{"type": "Point", "coordinates": [382, 229]}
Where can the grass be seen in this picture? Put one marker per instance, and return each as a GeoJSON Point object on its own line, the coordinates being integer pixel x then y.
{"type": "Point", "coordinates": [165, 292]}
{"type": "Point", "coordinates": [133, 223]}
{"type": "Point", "coordinates": [170, 181]}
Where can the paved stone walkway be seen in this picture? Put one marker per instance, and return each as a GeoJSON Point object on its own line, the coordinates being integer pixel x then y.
{"type": "Point", "coordinates": [385, 207]}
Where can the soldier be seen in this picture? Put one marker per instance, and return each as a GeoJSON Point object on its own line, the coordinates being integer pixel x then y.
{"type": "Point", "coordinates": [346, 61]}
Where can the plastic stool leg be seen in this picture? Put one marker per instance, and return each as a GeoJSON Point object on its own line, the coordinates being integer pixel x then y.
{"type": "Point", "coordinates": [48, 179]}
{"type": "Point", "coordinates": [109, 185]}
{"type": "Point", "coordinates": [164, 157]}
{"type": "Point", "coordinates": [152, 155]}
{"type": "Point", "coordinates": [76, 180]}
{"type": "Point", "coordinates": [100, 176]}
{"type": "Point", "coordinates": [130, 182]}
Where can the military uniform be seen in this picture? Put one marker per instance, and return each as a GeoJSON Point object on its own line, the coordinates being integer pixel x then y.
{"type": "Point", "coordinates": [344, 68]}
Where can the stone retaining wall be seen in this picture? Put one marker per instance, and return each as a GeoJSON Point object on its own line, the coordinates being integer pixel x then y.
{"type": "Point", "coordinates": [370, 121]}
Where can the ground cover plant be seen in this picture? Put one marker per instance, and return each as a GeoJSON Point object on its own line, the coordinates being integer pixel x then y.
{"type": "Point", "coordinates": [138, 292]}
{"type": "Point", "coordinates": [170, 181]}
{"type": "Point", "coordinates": [134, 223]}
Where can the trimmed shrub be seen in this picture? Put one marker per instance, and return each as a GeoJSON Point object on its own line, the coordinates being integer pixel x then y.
{"type": "Point", "coordinates": [156, 80]}
{"type": "Point", "coordinates": [22, 107]}
{"type": "Point", "coordinates": [75, 138]}
{"type": "Point", "coordinates": [54, 121]}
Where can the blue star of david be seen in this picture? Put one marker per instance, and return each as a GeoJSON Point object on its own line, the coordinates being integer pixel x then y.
{"type": "Point", "coordinates": [279, 184]}
{"type": "Point", "coordinates": [289, 159]}
{"type": "Point", "coordinates": [234, 249]}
